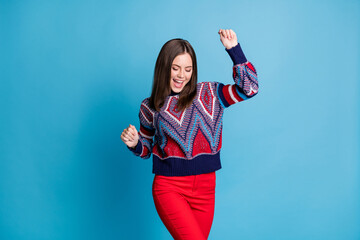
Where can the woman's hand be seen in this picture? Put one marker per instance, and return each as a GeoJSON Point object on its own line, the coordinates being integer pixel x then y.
{"type": "Point", "coordinates": [130, 136]}
{"type": "Point", "coordinates": [228, 38]}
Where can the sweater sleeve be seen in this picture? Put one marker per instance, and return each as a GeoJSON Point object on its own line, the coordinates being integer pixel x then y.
{"type": "Point", "coordinates": [146, 133]}
{"type": "Point", "coordinates": [244, 76]}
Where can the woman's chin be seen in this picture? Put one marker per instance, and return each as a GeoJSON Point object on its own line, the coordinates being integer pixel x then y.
{"type": "Point", "coordinates": [176, 90]}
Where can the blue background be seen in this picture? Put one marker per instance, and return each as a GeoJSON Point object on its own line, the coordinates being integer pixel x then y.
{"type": "Point", "coordinates": [73, 75]}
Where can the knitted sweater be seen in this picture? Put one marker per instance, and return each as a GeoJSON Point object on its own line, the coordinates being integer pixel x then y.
{"type": "Point", "coordinates": [189, 142]}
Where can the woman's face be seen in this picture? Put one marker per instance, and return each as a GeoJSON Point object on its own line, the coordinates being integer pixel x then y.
{"type": "Point", "coordinates": [181, 72]}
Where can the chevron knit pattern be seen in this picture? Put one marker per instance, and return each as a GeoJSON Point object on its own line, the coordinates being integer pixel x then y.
{"type": "Point", "coordinates": [189, 142]}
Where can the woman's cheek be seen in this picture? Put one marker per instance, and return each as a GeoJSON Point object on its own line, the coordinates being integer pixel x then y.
{"type": "Point", "coordinates": [189, 76]}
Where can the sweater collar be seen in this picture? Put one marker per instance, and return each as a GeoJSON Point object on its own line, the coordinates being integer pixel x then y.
{"type": "Point", "coordinates": [173, 93]}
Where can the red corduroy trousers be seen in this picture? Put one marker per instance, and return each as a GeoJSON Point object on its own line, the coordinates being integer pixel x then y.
{"type": "Point", "coordinates": [186, 204]}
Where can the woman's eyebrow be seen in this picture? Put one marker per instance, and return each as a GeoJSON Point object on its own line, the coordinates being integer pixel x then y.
{"type": "Point", "coordinates": [179, 66]}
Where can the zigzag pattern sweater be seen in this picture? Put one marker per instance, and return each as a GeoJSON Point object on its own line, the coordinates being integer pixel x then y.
{"type": "Point", "coordinates": [189, 142]}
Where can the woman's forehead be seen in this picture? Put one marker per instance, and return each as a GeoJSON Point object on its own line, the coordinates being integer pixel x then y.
{"type": "Point", "coordinates": [183, 60]}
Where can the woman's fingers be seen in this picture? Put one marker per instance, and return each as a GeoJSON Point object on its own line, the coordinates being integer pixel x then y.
{"type": "Point", "coordinates": [130, 132]}
{"type": "Point", "coordinates": [124, 138]}
{"type": "Point", "coordinates": [127, 136]}
{"type": "Point", "coordinates": [233, 34]}
{"type": "Point", "coordinates": [224, 33]}
{"type": "Point", "coordinates": [221, 32]}
{"type": "Point", "coordinates": [227, 33]}
{"type": "Point", "coordinates": [133, 130]}
{"type": "Point", "coordinates": [130, 136]}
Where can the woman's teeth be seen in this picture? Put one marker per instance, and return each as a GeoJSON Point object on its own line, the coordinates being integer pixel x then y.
{"type": "Point", "coordinates": [178, 83]}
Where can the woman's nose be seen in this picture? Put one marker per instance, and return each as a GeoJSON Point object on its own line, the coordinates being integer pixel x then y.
{"type": "Point", "coordinates": [181, 74]}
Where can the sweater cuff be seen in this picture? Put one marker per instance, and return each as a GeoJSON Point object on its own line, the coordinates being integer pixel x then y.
{"type": "Point", "coordinates": [236, 54]}
{"type": "Point", "coordinates": [137, 149]}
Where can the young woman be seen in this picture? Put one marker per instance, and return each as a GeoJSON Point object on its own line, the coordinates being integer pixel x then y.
{"type": "Point", "coordinates": [181, 125]}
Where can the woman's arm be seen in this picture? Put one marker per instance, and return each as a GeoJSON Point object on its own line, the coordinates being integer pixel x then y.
{"type": "Point", "coordinates": [141, 143]}
{"type": "Point", "coordinates": [244, 73]}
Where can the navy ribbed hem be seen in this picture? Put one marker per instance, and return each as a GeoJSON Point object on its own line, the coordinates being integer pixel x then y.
{"type": "Point", "coordinates": [236, 54]}
{"type": "Point", "coordinates": [173, 166]}
{"type": "Point", "coordinates": [138, 149]}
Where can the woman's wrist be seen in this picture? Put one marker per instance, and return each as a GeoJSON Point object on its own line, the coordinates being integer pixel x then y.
{"type": "Point", "coordinates": [136, 148]}
{"type": "Point", "coordinates": [231, 46]}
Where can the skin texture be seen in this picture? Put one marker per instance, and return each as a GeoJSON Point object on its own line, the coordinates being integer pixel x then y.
{"type": "Point", "coordinates": [130, 136]}
{"type": "Point", "coordinates": [228, 38]}
{"type": "Point", "coordinates": [181, 70]}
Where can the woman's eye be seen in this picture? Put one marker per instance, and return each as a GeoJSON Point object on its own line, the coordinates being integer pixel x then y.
{"type": "Point", "coordinates": [174, 69]}
{"type": "Point", "coordinates": [188, 70]}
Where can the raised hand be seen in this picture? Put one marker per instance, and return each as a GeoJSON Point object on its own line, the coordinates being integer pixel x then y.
{"type": "Point", "coordinates": [130, 136]}
{"type": "Point", "coordinates": [228, 38]}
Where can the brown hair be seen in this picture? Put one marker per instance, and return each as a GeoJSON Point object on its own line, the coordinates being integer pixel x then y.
{"type": "Point", "coordinates": [162, 74]}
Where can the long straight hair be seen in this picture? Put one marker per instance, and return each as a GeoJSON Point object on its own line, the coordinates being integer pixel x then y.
{"type": "Point", "coordinates": [162, 74]}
